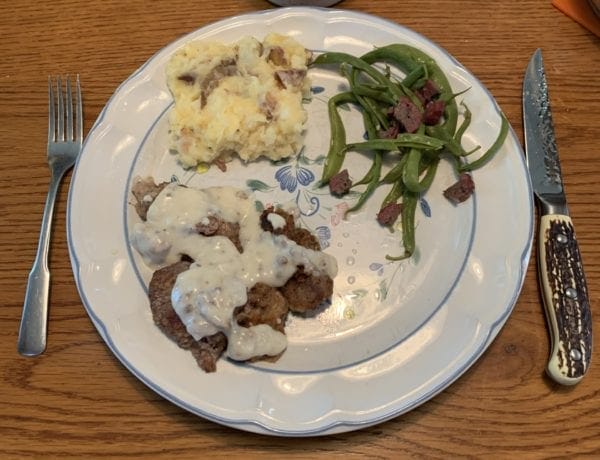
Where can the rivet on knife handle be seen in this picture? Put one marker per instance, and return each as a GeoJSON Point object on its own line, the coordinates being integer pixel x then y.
{"type": "Point", "coordinates": [566, 300]}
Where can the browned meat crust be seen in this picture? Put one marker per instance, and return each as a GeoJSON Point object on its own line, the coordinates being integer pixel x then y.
{"type": "Point", "coordinates": [305, 292]}
{"type": "Point", "coordinates": [265, 305]}
{"type": "Point", "coordinates": [145, 192]}
{"type": "Point", "coordinates": [206, 351]}
{"type": "Point", "coordinates": [159, 293]}
{"type": "Point", "coordinates": [300, 236]}
{"type": "Point", "coordinates": [216, 226]}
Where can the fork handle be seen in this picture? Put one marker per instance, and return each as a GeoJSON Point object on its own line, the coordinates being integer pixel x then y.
{"type": "Point", "coordinates": [34, 321]}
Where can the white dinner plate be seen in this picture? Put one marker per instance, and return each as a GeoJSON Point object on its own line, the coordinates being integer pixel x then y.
{"type": "Point", "coordinates": [395, 334]}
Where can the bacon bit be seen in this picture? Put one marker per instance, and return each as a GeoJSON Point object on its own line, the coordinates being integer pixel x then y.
{"type": "Point", "coordinates": [427, 92]}
{"type": "Point", "coordinates": [340, 184]}
{"type": "Point", "coordinates": [226, 68]}
{"type": "Point", "coordinates": [433, 112]}
{"type": "Point", "coordinates": [287, 78]}
{"type": "Point", "coordinates": [391, 132]}
{"type": "Point", "coordinates": [309, 56]}
{"type": "Point", "coordinates": [461, 190]}
{"type": "Point", "coordinates": [408, 114]}
{"type": "Point", "coordinates": [220, 164]}
{"type": "Point", "coordinates": [277, 56]}
{"type": "Point", "coordinates": [389, 213]}
{"type": "Point", "coordinates": [268, 106]}
{"type": "Point", "coordinates": [187, 78]}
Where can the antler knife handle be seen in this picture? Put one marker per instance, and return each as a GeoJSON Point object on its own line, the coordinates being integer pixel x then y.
{"type": "Point", "coordinates": [566, 300]}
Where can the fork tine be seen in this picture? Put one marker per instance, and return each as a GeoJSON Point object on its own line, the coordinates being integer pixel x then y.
{"type": "Point", "coordinates": [51, 111]}
{"type": "Point", "coordinates": [78, 114]}
{"type": "Point", "coordinates": [69, 110]}
{"type": "Point", "coordinates": [60, 112]}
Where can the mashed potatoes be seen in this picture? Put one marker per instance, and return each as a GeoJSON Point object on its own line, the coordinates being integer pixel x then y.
{"type": "Point", "coordinates": [244, 98]}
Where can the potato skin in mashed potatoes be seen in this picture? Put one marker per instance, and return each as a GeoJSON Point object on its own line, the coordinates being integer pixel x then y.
{"type": "Point", "coordinates": [244, 99]}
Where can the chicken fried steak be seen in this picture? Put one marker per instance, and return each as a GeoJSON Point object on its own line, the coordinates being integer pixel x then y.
{"type": "Point", "coordinates": [207, 350]}
{"type": "Point", "coordinates": [303, 289]}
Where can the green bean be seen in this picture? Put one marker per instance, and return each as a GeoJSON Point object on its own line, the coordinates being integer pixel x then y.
{"type": "Point", "coordinates": [399, 55]}
{"type": "Point", "coordinates": [411, 96]}
{"type": "Point", "coordinates": [395, 173]}
{"type": "Point", "coordinates": [369, 107]}
{"type": "Point", "coordinates": [372, 185]}
{"type": "Point", "coordinates": [451, 144]}
{"type": "Point", "coordinates": [448, 97]}
{"type": "Point", "coordinates": [368, 104]}
{"type": "Point", "coordinates": [410, 175]}
{"type": "Point", "coordinates": [378, 95]}
{"type": "Point", "coordinates": [407, 58]}
{"type": "Point", "coordinates": [375, 169]}
{"type": "Point", "coordinates": [414, 76]}
{"type": "Point", "coordinates": [374, 173]}
{"type": "Point", "coordinates": [394, 194]}
{"type": "Point", "coordinates": [343, 58]}
{"type": "Point", "coordinates": [414, 169]}
{"type": "Point", "coordinates": [419, 141]}
{"type": "Point", "coordinates": [420, 153]}
{"type": "Point", "coordinates": [337, 141]}
{"type": "Point", "coordinates": [487, 156]}
{"type": "Point", "coordinates": [464, 125]}
{"type": "Point", "coordinates": [409, 206]}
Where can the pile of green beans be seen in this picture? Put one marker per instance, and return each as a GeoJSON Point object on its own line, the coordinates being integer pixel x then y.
{"type": "Point", "coordinates": [374, 91]}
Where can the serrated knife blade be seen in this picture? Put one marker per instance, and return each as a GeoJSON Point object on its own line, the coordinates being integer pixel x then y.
{"type": "Point", "coordinates": [560, 269]}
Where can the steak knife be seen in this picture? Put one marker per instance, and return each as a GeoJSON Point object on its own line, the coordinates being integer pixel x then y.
{"type": "Point", "coordinates": [560, 269]}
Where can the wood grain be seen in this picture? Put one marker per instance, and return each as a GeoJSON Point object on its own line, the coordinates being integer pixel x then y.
{"type": "Point", "coordinates": [77, 400]}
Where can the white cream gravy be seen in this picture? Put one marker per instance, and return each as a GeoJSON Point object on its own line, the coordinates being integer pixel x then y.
{"type": "Point", "coordinates": [205, 296]}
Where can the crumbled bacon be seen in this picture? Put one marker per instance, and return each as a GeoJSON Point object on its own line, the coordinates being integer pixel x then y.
{"type": "Point", "coordinates": [277, 56]}
{"type": "Point", "coordinates": [268, 106]}
{"type": "Point", "coordinates": [290, 78]}
{"type": "Point", "coordinates": [433, 112]}
{"type": "Point", "coordinates": [461, 190]}
{"type": "Point", "coordinates": [220, 164]}
{"type": "Point", "coordinates": [340, 184]}
{"type": "Point", "coordinates": [392, 131]}
{"type": "Point", "coordinates": [389, 213]}
{"type": "Point", "coordinates": [408, 114]}
{"type": "Point", "coordinates": [187, 78]}
{"type": "Point", "coordinates": [226, 68]}
{"type": "Point", "coordinates": [427, 92]}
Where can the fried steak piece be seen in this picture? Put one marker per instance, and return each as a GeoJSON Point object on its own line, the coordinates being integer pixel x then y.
{"type": "Point", "coordinates": [303, 291]}
{"type": "Point", "coordinates": [145, 192]}
{"type": "Point", "coordinates": [213, 225]}
{"type": "Point", "coordinates": [265, 305]}
{"type": "Point", "coordinates": [300, 236]}
{"type": "Point", "coordinates": [207, 350]}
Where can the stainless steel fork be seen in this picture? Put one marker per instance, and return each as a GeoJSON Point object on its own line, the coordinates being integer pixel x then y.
{"type": "Point", "coordinates": [64, 145]}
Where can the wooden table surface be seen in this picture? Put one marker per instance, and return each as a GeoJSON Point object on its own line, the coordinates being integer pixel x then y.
{"type": "Point", "coordinates": [77, 400]}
